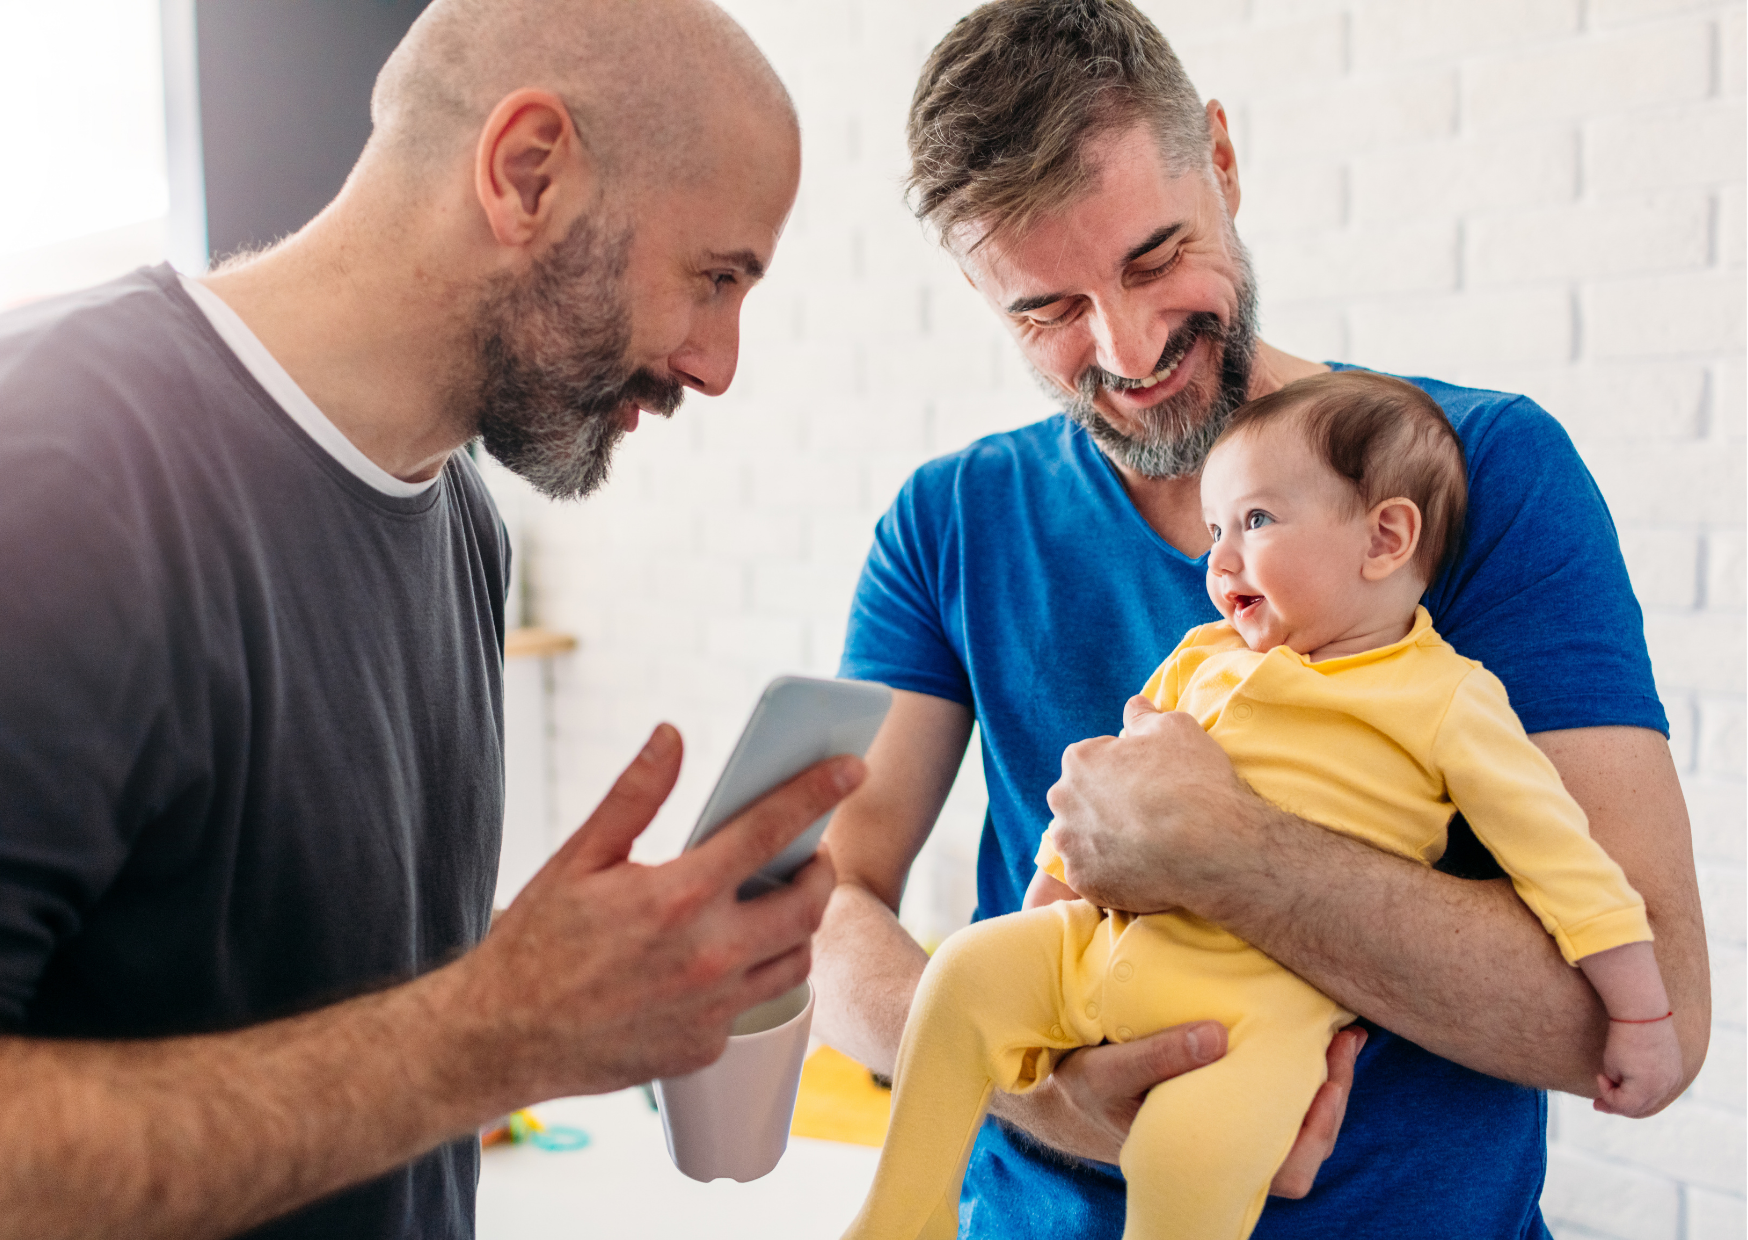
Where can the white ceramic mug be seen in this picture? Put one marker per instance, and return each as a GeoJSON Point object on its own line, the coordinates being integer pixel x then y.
{"type": "Point", "coordinates": [732, 1118]}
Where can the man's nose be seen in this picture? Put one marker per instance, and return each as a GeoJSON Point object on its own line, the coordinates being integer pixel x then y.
{"type": "Point", "coordinates": [708, 358]}
{"type": "Point", "coordinates": [1128, 340]}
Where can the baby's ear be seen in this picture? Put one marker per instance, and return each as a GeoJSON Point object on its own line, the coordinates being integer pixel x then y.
{"type": "Point", "coordinates": [1393, 528]}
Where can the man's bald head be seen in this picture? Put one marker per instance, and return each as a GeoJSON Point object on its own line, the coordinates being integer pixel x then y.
{"type": "Point", "coordinates": [588, 188]}
{"type": "Point", "coordinates": [642, 79]}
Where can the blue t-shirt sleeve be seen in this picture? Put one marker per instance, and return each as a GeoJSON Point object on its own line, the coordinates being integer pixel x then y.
{"type": "Point", "coordinates": [898, 629]}
{"type": "Point", "coordinates": [1539, 593]}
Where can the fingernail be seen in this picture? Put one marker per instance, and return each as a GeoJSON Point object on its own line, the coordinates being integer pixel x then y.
{"type": "Point", "coordinates": [1201, 1040]}
{"type": "Point", "coordinates": [847, 774]}
{"type": "Point", "coordinates": [660, 743]}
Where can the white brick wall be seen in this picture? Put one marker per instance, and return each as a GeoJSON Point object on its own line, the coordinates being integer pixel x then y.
{"type": "Point", "coordinates": [1538, 195]}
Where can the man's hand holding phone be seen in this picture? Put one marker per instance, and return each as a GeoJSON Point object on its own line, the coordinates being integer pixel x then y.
{"type": "Point", "coordinates": [605, 972]}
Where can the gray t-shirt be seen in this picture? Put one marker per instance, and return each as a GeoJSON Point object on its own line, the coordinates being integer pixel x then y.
{"type": "Point", "coordinates": [250, 707]}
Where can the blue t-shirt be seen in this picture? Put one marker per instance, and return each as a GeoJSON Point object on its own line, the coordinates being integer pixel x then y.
{"type": "Point", "coordinates": [1017, 578]}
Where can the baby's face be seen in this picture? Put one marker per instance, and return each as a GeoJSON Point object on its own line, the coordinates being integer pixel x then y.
{"type": "Point", "coordinates": [1289, 541]}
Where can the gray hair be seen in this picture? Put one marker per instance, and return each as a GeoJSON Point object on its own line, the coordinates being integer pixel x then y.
{"type": "Point", "coordinates": [1008, 101]}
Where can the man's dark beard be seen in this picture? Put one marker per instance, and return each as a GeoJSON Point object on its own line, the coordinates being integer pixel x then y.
{"type": "Point", "coordinates": [1181, 429]}
{"type": "Point", "coordinates": [553, 372]}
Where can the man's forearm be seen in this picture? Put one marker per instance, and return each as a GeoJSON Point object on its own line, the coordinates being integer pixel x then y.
{"type": "Point", "coordinates": [205, 1136]}
{"type": "Point", "coordinates": [866, 968]}
{"type": "Point", "coordinates": [601, 974]}
{"type": "Point", "coordinates": [1461, 968]}
{"type": "Point", "coordinates": [1157, 819]}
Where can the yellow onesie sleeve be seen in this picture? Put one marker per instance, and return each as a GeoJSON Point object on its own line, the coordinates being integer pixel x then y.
{"type": "Point", "coordinates": [1515, 803]}
{"type": "Point", "coordinates": [1166, 683]}
{"type": "Point", "coordinates": [1048, 859]}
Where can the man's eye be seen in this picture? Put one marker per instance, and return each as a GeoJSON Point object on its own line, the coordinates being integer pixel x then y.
{"type": "Point", "coordinates": [722, 279]}
{"type": "Point", "coordinates": [1055, 320]}
{"type": "Point", "coordinates": [1256, 519]}
{"type": "Point", "coordinates": [1150, 272]}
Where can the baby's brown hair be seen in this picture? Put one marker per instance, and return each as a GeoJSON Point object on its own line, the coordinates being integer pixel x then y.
{"type": "Point", "coordinates": [1385, 437]}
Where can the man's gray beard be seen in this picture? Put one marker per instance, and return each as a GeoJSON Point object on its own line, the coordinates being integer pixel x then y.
{"type": "Point", "coordinates": [553, 367]}
{"type": "Point", "coordinates": [1180, 431]}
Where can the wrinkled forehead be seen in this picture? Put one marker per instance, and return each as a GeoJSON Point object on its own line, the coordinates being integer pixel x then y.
{"type": "Point", "coordinates": [1131, 193]}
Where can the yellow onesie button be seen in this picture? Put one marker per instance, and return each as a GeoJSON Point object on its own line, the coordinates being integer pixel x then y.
{"type": "Point", "coordinates": [1092, 1011]}
{"type": "Point", "coordinates": [1124, 1033]}
{"type": "Point", "coordinates": [1241, 711]}
{"type": "Point", "coordinates": [1056, 1031]}
{"type": "Point", "coordinates": [1124, 971]}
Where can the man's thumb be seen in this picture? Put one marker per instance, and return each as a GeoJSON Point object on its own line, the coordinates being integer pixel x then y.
{"type": "Point", "coordinates": [1171, 1052]}
{"type": "Point", "coordinates": [1136, 709]}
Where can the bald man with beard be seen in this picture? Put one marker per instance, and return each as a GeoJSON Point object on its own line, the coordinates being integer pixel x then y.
{"type": "Point", "coordinates": [250, 710]}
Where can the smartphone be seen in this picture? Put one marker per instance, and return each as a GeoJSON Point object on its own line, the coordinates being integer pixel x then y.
{"type": "Point", "coordinates": [798, 721]}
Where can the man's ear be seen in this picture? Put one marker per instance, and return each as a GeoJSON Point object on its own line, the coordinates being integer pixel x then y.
{"type": "Point", "coordinates": [1393, 528]}
{"type": "Point", "coordinates": [529, 155]}
{"type": "Point", "coordinates": [1224, 156]}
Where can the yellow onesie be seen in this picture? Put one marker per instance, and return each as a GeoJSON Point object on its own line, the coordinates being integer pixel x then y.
{"type": "Point", "coordinates": [1383, 746]}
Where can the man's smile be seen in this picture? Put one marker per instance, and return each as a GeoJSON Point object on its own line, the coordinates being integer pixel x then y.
{"type": "Point", "coordinates": [1171, 378]}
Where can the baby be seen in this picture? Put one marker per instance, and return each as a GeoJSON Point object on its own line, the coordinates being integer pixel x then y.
{"type": "Point", "coordinates": [1331, 504]}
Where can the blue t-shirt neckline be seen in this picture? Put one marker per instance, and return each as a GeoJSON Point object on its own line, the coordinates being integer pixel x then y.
{"type": "Point", "coordinates": [1096, 464]}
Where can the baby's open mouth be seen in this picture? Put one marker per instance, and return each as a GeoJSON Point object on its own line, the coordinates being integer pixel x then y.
{"type": "Point", "coordinates": [1242, 603]}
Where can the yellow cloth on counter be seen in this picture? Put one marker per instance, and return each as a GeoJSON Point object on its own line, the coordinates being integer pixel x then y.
{"type": "Point", "coordinates": [839, 1101]}
{"type": "Point", "coordinates": [1382, 746]}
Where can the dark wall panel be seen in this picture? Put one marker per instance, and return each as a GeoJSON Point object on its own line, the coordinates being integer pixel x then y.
{"type": "Point", "coordinates": [285, 106]}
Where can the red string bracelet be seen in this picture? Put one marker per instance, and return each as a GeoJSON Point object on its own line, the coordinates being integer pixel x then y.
{"type": "Point", "coordinates": [1649, 1020]}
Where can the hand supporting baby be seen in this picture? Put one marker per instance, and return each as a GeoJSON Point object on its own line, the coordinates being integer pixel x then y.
{"type": "Point", "coordinates": [1322, 1124]}
{"type": "Point", "coordinates": [1156, 819]}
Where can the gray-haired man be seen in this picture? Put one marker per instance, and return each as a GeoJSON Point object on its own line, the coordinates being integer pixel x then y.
{"type": "Point", "coordinates": [1032, 580]}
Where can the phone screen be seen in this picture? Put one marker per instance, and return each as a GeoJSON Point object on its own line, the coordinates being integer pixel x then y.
{"type": "Point", "coordinates": [798, 721]}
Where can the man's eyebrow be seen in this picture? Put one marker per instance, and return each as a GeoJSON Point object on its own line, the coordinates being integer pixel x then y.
{"type": "Point", "coordinates": [1155, 239]}
{"type": "Point", "coordinates": [746, 260]}
{"type": "Point", "coordinates": [1034, 303]}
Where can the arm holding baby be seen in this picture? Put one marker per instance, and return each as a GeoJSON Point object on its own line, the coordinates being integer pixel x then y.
{"type": "Point", "coordinates": [1327, 552]}
{"type": "Point", "coordinates": [1515, 803]}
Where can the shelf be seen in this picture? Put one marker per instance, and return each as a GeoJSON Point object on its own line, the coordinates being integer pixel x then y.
{"type": "Point", "coordinates": [536, 643]}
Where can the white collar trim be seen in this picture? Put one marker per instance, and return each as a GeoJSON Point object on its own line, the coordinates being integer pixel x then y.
{"type": "Point", "coordinates": [284, 389]}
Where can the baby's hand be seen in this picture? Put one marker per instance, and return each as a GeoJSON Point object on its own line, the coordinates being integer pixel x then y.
{"type": "Point", "coordinates": [1641, 1068]}
{"type": "Point", "coordinates": [1047, 889]}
